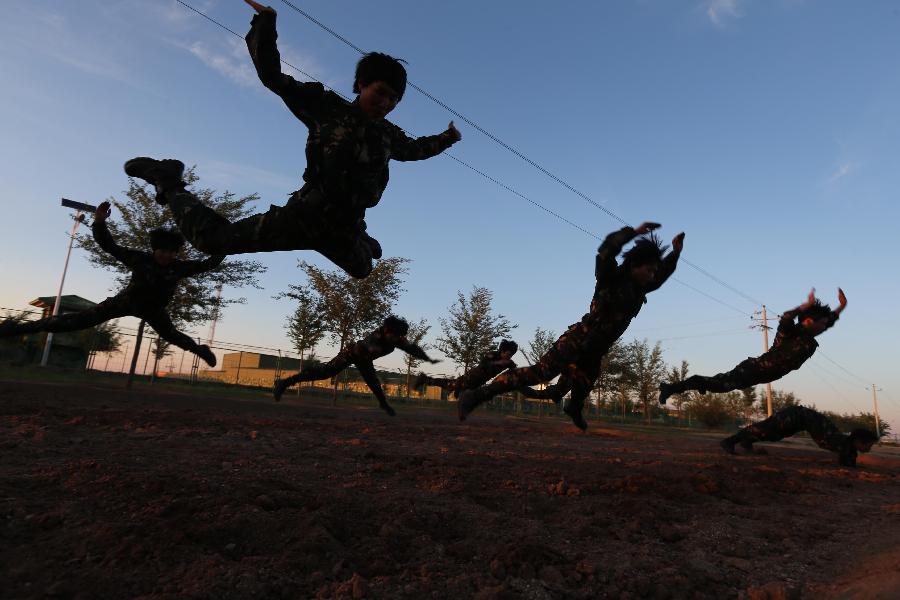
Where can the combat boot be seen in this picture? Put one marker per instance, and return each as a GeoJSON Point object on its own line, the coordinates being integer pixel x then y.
{"type": "Point", "coordinates": [165, 175]}
{"type": "Point", "coordinates": [281, 386]}
{"type": "Point", "coordinates": [206, 354]}
{"type": "Point", "coordinates": [665, 390]}
{"type": "Point", "coordinates": [576, 416]}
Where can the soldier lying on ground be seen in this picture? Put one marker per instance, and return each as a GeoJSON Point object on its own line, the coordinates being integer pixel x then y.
{"type": "Point", "coordinates": [794, 419]}
{"type": "Point", "coordinates": [347, 154]}
{"type": "Point", "coordinates": [379, 343]}
{"type": "Point", "coordinates": [154, 277]}
{"type": "Point", "coordinates": [794, 344]}
{"type": "Point", "coordinates": [489, 366]}
{"type": "Point", "coordinates": [619, 295]}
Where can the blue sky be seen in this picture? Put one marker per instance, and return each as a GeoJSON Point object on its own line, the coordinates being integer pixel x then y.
{"type": "Point", "coordinates": [768, 131]}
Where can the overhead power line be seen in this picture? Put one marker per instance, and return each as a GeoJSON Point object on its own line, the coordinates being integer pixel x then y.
{"type": "Point", "coordinates": [479, 171]}
{"type": "Point", "coordinates": [515, 151]}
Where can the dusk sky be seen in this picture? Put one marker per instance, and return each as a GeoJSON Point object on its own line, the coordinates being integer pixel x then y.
{"type": "Point", "coordinates": [768, 131]}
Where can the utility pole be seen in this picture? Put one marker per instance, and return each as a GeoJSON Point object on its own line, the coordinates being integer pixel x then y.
{"type": "Point", "coordinates": [765, 328]}
{"type": "Point", "coordinates": [875, 401]}
{"type": "Point", "coordinates": [80, 209]}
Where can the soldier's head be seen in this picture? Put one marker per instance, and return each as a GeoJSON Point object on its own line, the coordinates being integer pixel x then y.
{"type": "Point", "coordinates": [166, 244]}
{"type": "Point", "coordinates": [395, 326]}
{"type": "Point", "coordinates": [380, 82]}
{"type": "Point", "coordinates": [816, 318]}
{"type": "Point", "coordinates": [862, 439]}
{"type": "Point", "coordinates": [507, 348]}
{"type": "Point", "coordinates": [642, 261]}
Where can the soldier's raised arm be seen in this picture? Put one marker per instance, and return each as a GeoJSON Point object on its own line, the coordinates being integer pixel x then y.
{"type": "Point", "coordinates": [104, 239]}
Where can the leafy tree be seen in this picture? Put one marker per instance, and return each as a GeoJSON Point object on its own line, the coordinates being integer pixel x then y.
{"type": "Point", "coordinates": [649, 369]}
{"type": "Point", "coordinates": [677, 375]}
{"type": "Point", "coordinates": [848, 422]}
{"type": "Point", "coordinates": [710, 409]}
{"type": "Point", "coordinates": [351, 308]}
{"type": "Point", "coordinates": [780, 400]}
{"type": "Point", "coordinates": [472, 328]}
{"type": "Point", "coordinates": [306, 326]}
{"type": "Point", "coordinates": [616, 380]}
{"type": "Point", "coordinates": [417, 332]}
{"type": "Point", "coordinates": [537, 347]}
{"type": "Point", "coordinates": [195, 300]}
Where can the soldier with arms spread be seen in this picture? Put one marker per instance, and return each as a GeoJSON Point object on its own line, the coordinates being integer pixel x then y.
{"type": "Point", "coordinates": [347, 154]}
{"type": "Point", "coordinates": [794, 344]}
{"type": "Point", "coordinates": [619, 295]}
{"type": "Point", "coordinates": [154, 277]}
{"type": "Point", "coordinates": [379, 343]}
{"type": "Point", "coordinates": [489, 366]}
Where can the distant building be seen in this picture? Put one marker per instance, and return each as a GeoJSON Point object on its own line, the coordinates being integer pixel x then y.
{"type": "Point", "coordinates": [261, 370]}
{"type": "Point", "coordinates": [69, 348]}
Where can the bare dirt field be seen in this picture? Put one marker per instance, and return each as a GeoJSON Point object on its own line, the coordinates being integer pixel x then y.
{"type": "Point", "coordinates": [105, 494]}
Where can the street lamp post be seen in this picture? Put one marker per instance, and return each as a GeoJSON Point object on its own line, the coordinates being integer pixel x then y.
{"type": "Point", "coordinates": [80, 209]}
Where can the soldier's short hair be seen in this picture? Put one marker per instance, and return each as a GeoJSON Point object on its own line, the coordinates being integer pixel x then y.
{"type": "Point", "coordinates": [815, 311]}
{"type": "Point", "coordinates": [377, 66]}
{"type": "Point", "coordinates": [864, 435]}
{"type": "Point", "coordinates": [165, 239]}
{"type": "Point", "coordinates": [396, 324]}
{"type": "Point", "coordinates": [508, 345]}
{"type": "Point", "coordinates": [647, 249]}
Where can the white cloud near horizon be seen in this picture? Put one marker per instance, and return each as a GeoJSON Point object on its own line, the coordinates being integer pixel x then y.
{"type": "Point", "coordinates": [721, 11]}
{"type": "Point", "coordinates": [842, 171]}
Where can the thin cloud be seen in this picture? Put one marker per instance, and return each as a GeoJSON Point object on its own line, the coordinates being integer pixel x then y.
{"type": "Point", "coordinates": [722, 11]}
{"type": "Point", "coordinates": [222, 175]}
{"type": "Point", "coordinates": [231, 62]}
{"type": "Point", "coordinates": [842, 171]}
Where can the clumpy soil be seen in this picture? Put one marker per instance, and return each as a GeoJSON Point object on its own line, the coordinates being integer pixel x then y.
{"type": "Point", "coordinates": [150, 494]}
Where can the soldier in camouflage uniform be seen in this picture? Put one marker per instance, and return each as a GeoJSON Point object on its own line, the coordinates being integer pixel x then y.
{"type": "Point", "coordinates": [154, 277]}
{"type": "Point", "coordinates": [379, 343]}
{"type": "Point", "coordinates": [794, 344]}
{"type": "Point", "coordinates": [347, 156]}
{"type": "Point", "coordinates": [793, 419]}
{"type": "Point", "coordinates": [619, 294]}
{"type": "Point", "coordinates": [489, 366]}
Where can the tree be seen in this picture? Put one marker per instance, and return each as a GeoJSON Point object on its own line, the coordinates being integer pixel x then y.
{"type": "Point", "coordinates": [417, 332]}
{"type": "Point", "coordinates": [848, 422]}
{"type": "Point", "coordinates": [649, 369]}
{"type": "Point", "coordinates": [617, 378]}
{"type": "Point", "coordinates": [472, 328]}
{"type": "Point", "coordinates": [780, 400]}
{"type": "Point", "coordinates": [710, 409]}
{"type": "Point", "coordinates": [351, 307]}
{"type": "Point", "coordinates": [537, 347]}
{"type": "Point", "coordinates": [195, 300]}
{"type": "Point", "coordinates": [683, 399]}
{"type": "Point", "coordinates": [306, 326]}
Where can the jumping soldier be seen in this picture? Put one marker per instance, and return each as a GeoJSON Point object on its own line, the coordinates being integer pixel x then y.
{"type": "Point", "coordinates": [379, 343]}
{"type": "Point", "coordinates": [794, 344]}
{"type": "Point", "coordinates": [793, 419]}
{"type": "Point", "coordinates": [489, 366]}
{"type": "Point", "coordinates": [347, 154]}
{"type": "Point", "coordinates": [619, 294]}
{"type": "Point", "coordinates": [154, 278]}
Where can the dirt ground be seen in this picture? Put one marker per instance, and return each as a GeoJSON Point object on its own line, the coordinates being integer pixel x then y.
{"type": "Point", "coordinates": [105, 494]}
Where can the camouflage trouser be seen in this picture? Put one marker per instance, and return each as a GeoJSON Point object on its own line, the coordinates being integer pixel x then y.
{"type": "Point", "coordinates": [748, 373]}
{"type": "Point", "coordinates": [451, 385]}
{"type": "Point", "coordinates": [578, 379]}
{"type": "Point", "coordinates": [301, 224]}
{"type": "Point", "coordinates": [793, 419]}
{"type": "Point", "coordinates": [337, 364]}
{"type": "Point", "coordinates": [780, 425]}
{"type": "Point", "coordinates": [111, 308]}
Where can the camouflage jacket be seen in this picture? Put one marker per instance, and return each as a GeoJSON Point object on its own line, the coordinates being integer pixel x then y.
{"type": "Point", "coordinates": [151, 285]}
{"type": "Point", "coordinates": [377, 345]}
{"type": "Point", "coordinates": [617, 299]}
{"type": "Point", "coordinates": [347, 153]}
{"type": "Point", "coordinates": [793, 345]}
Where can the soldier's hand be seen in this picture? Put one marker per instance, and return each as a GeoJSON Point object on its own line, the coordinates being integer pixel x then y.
{"type": "Point", "coordinates": [646, 227]}
{"type": "Point", "coordinates": [678, 242]}
{"type": "Point", "coordinates": [842, 299]}
{"type": "Point", "coordinates": [102, 213]}
{"type": "Point", "coordinates": [259, 7]}
{"type": "Point", "coordinates": [811, 299]}
{"type": "Point", "coordinates": [454, 132]}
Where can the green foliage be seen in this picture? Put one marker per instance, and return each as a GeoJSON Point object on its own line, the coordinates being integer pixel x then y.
{"type": "Point", "coordinates": [472, 328]}
{"type": "Point", "coordinates": [102, 338]}
{"type": "Point", "coordinates": [711, 410]}
{"type": "Point", "coordinates": [539, 345]}
{"type": "Point", "coordinates": [648, 368]}
{"type": "Point", "coordinates": [848, 422]}
{"type": "Point", "coordinates": [350, 308]}
{"type": "Point", "coordinates": [417, 332]}
{"type": "Point", "coordinates": [195, 301]}
{"type": "Point", "coordinates": [306, 326]}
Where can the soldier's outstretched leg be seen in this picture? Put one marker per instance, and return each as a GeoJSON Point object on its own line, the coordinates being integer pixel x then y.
{"type": "Point", "coordinates": [162, 324]}
{"type": "Point", "coordinates": [111, 308]}
{"type": "Point", "coordinates": [313, 373]}
{"type": "Point", "coordinates": [581, 387]}
{"type": "Point", "coordinates": [771, 429]}
{"type": "Point", "coordinates": [545, 370]}
{"type": "Point", "coordinates": [367, 370]}
{"type": "Point", "coordinates": [746, 374]}
{"type": "Point", "coordinates": [301, 224]}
